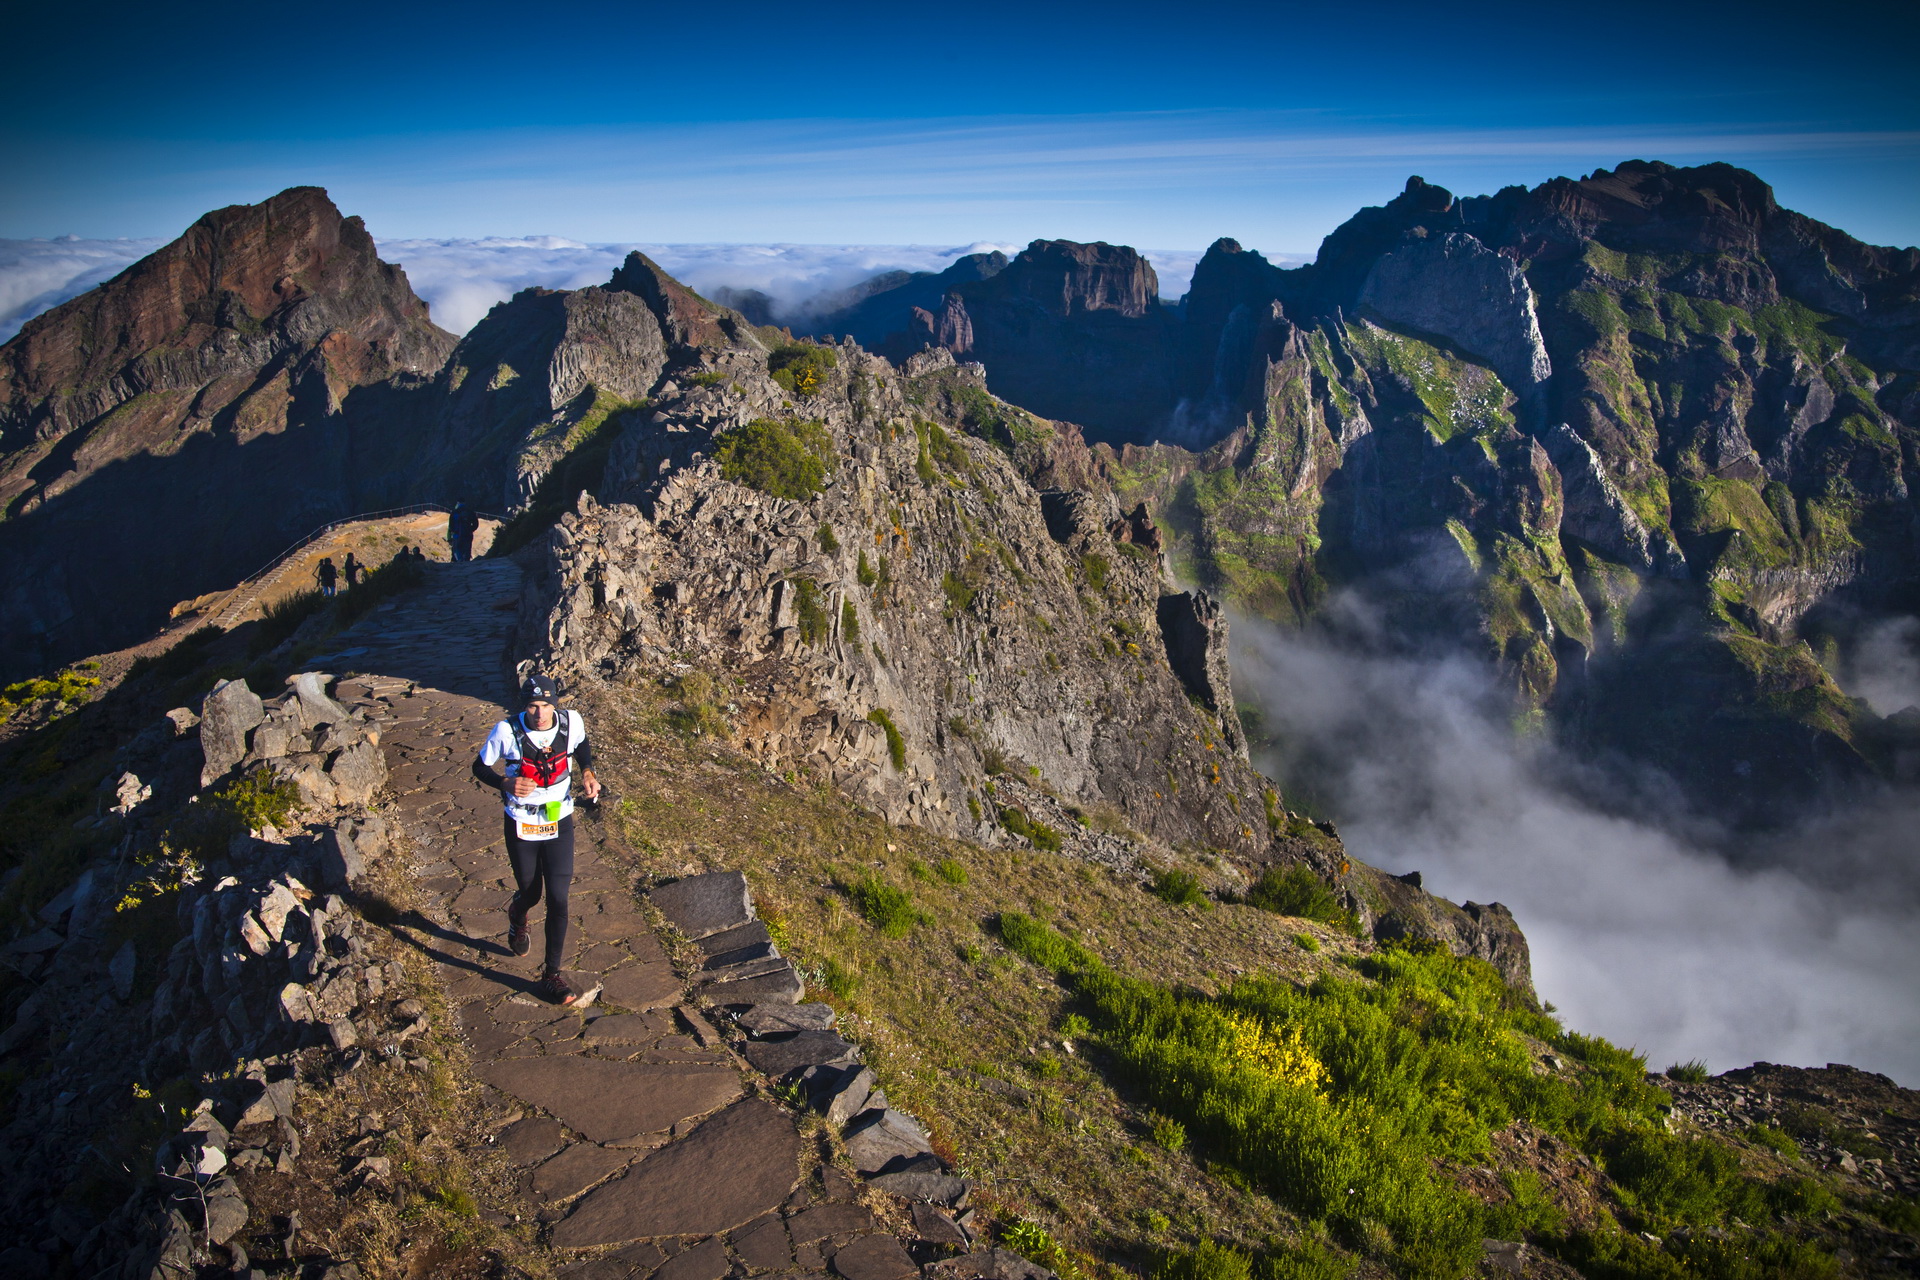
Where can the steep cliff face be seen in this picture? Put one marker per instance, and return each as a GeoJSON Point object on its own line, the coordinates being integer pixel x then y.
{"type": "Point", "coordinates": [1070, 331]}
{"type": "Point", "coordinates": [164, 433]}
{"type": "Point", "coordinates": [1639, 438]}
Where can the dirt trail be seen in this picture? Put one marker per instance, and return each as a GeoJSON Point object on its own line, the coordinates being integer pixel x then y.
{"type": "Point", "coordinates": [638, 1129]}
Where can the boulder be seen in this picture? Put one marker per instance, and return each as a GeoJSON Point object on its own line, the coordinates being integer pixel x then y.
{"type": "Point", "coordinates": [231, 712]}
{"type": "Point", "coordinates": [340, 862]}
{"type": "Point", "coordinates": [879, 1138]}
{"type": "Point", "coordinates": [317, 707]}
{"type": "Point", "coordinates": [357, 772]}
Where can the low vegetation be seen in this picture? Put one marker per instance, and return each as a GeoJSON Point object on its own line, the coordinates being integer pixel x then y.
{"type": "Point", "coordinates": [800, 368]}
{"type": "Point", "coordinates": [788, 460]}
{"type": "Point", "coordinates": [1295, 891]}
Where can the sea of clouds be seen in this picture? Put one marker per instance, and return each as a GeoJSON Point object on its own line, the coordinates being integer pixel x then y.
{"type": "Point", "coordinates": [462, 280]}
{"type": "Point", "coordinates": [1648, 924]}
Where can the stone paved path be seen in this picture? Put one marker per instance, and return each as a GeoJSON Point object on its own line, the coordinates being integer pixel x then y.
{"type": "Point", "coordinates": [635, 1125]}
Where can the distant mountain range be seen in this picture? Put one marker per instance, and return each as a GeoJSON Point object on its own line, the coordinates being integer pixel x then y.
{"type": "Point", "coordinates": [1639, 439]}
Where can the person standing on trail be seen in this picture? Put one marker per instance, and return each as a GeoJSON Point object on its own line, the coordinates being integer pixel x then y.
{"type": "Point", "coordinates": [536, 750]}
{"type": "Point", "coordinates": [327, 575]}
{"type": "Point", "coordinates": [353, 569]}
{"type": "Point", "coordinates": [461, 526]}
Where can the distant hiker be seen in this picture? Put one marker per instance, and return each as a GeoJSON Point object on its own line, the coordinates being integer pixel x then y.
{"type": "Point", "coordinates": [536, 750]}
{"type": "Point", "coordinates": [353, 569]}
{"type": "Point", "coordinates": [327, 575]}
{"type": "Point", "coordinates": [462, 524]}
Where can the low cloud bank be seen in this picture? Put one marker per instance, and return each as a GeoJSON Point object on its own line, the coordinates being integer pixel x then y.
{"type": "Point", "coordinates": [463, 279]}
{"type": "Point", "coordinates": [39, 275]}
{"type": "Point", "coordinates": [1643, 928]}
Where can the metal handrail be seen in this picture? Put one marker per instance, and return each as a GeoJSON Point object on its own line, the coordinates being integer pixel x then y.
{"type": "Point", "coordinates": [257, 578]}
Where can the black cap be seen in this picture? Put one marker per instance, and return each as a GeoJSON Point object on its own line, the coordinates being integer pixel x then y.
{"type": "Point", "coordinates": [540, 689]}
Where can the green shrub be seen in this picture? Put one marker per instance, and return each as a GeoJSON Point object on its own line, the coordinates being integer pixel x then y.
{"type": "Point", "coordinates": [896, 741]}
{"type": "Point", "coordinates": [1343, 1101]}
{"type": "Point", "coordinates": [1166, 1131]}
{"type": "Point", "coordinates": [827, 542]}
{"type": "Point", "coordinates": [959, 592]}
{"type": "Point", "coordinates": [1307, 1259]}
{"type": "Point", "coordinates": [864, 573]}
{"type": "Point", "coordinates": [1680, 1179]}
{"type": "Point", "coordinates": [67, 689]}
{"type": "Point", "coordinates": [1296, 891]}
{"type": "Point", "coordinates": [801, 367]}
{"type": "Point", "coordinates": [1095, 567]}
{"type": "Point", "coordinates": [711, 378]}
{"type": "Point", "coordinates": [838, 978]}
{"type": "Point", "coordinates": [1768, 1136]}
{"type": "Point", "coordinates": [1694, 1072]}
{"type": "Point", "coordinates": [784, 459]}
{"type": "Point", "coordinates": [1306, 942]}
{"type": "Point", "coordinates": [699, 714]}
{"type": "Point", "coordinates": [1178, 887]}
{"type": "Point", "coordinates": [1039, 834]}
{"type": "Point", "coordinates": [888, 908]}
{"type": "Point", "coordinates": [184, 656]}
{"type": "Point", "coordinates": [849, 622]}
{"type": "Point", "coordinates": [951, 871]}
{"type": "Point", "coordinates": [807, 613]}
{"type": "Point", "coordinates": [1205, 1261]}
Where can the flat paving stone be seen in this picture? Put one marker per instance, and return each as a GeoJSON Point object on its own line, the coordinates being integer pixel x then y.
{"type": "Point", "coordinates": [628, 1028]}
{"type": "Point", "coordinates": [642, 986]}
{"type": "Point", "coordinates": [875, 1257]}
{"type": "Point", "coordinates": [577, 1168]}
{"type": "Point", "coordinates": [702, 1262]}
{"type": "Point", "coordinates": [703, 905]}
{"type": "Point", "coordinates": [532, 1140]}
{"type": "Point", "coordinates": [764, 1247]}
{"type": "Point", "coordinates": [520, 1009]}
{"type": "Point", "coordinates": [486, 1036]}
{"type": "Point", "coordinates": [614, 1101]}
{"type": "Point", "coordinates": [825, 1220]}
{"type": "Point", "coordinates": [730, 1170]}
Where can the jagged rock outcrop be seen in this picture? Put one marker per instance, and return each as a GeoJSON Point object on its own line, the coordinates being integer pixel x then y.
{"type": "Point", "coordinates": [1456, 288]}
{"type": "Point", "coordinates": [165, 433]}
{"type": "Point", "coordinates": [1070, 331]}
{"type": "Point", "coordinates": [928, 632]}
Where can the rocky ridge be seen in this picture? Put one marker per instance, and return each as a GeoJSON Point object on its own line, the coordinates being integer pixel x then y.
{"type": "Point", "coordinates": [1638, 439]}
{"type": "Point", "coordinates": [930, 634]}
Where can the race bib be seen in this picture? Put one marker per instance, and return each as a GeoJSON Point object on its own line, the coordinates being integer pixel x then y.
{"type": "Point", "coordinates": [539, 830]}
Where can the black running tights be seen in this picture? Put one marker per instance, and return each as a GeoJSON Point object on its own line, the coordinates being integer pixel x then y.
{"type": "Point", "coordinates": [551, 861]}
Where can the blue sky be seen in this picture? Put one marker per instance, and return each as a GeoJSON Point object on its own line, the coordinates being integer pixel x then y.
{"type": "Point", "coordinates": [865, 123]}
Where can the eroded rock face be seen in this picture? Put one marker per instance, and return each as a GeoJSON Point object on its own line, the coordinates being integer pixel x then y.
{"type": "Point", "coordinates": [948, 600]}
{"type": "Point", "coordinates": [1457, 288]}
